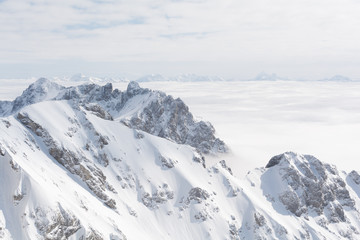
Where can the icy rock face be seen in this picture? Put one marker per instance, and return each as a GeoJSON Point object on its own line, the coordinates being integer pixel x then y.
{"type": "Point", "coordinates": [151, 111]}
{"type": "Point", "coordinates": [41, 90]}
{"type": "Point", "coordinates": [55, 224]}
{"type": "Point", "coordinates": [158, 197]}
{"type": "Point", "coordinates": [170, 118]}
{"type": "Point", "coordinates": [312, 186]}
{"type": "Point", "coordinates": [197, 194]}
{"type": "Point", "coordinates": [355, 176]}
{"type": "Point", "coordinates": [74, 162]}
{"type": "Point", "coordinates": [98, 111]}
{"type": "Point", "coordinates": [5, 107]}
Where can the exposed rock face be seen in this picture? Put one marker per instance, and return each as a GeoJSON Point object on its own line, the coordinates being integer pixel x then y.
{"type": "Point", "coordinates": [61, 225]}
{"type": "Point", "coordinates": [312, 186]}
{"type": "Point", "coordinates": [160, 196]}
{"type": "Point", "coordinates": [355, 176]}
{"type": "Point", "coordinates": [41, 90]}
{"type": "Point", "coordinates": [198, 195]}
{"type": "Point", "coordinates": [75, 163]}
{"type": "Point", "coordinates": [5, 107]}
{"type": "Point", "coordinates": [151, 111]}
{"type": "Point", "coordinates": [98, 111]}
{"type": "Point", "coordinates": [170, 118]}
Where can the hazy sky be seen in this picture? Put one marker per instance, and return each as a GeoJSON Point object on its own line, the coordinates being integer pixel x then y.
{"type": "Point", "coordinates": [230, 38]}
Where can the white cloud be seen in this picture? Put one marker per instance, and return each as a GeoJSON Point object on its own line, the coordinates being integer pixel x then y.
{"type": "Point", "coordinates": [279, 35]}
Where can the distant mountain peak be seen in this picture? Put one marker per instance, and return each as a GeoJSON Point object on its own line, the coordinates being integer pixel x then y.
{"type": "Point", "coordinates": [187, 77]}
{"type": "Point", "coordinates": [337, 78]}
{"type": "Point", "coordinates": [41, 90]}
{"type": "Point", "coordinates": [263, 76]}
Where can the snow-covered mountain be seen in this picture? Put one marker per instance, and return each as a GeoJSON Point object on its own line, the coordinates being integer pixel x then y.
{"type": "Point", "coordinates": [82, 78]}
{"type": "Point", "coordinates": [91, 162]}
{"type": "Point", "coordinates": [263, 76]}
{"type": "Point", "coordinates": [337, 78]}
{"type": "Point", "coordinates": [179, 78]}
{"type": "Point", "coordinates": [140, 108]}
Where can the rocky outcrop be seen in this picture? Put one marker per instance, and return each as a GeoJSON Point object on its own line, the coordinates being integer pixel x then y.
{"type": "Point", "coordinates": [198, 194]}
{"type": "Point", "coordinates": [311, 186]}
{"type": "Point", "coordinates": [98, 111]}
{"type": "Point", "coordinates": [39, 91]}
{"type": "Point", "coordinates": [75, 163]}
{"type": "Point", "coordinates": [160, 196]}
{"type": "Point", "coordinates": [55, 224]}
{"type": "Point", "coordinates": [170, 118]}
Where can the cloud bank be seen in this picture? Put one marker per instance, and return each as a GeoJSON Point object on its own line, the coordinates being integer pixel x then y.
{"type": "Point", "coordinates": [236, 37]}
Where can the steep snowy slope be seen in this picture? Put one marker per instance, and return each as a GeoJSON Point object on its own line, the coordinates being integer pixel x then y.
{"type": "Point", "coordinates": [68, 170]}
{"type": "Point", "coordinates": [69, 167]}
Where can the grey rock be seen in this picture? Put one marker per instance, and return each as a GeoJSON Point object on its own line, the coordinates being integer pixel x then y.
{"type": "Point", "coordinates": [98, 111]}
{"type": "Point", "coordinates": [312, 185]}
{"type": "Point", "coordinates": [160, 196]}
{"type": "Point", "coordinates": [55, 224]}
{"type": "Point", "coordinates": [160, 115]}
{"type": "Point", "coordinates": [167, 163]}
{"type": "Point", "coordinates": [223, 164]}
{"type": "Point", "coordinates": [274, 161]}
{"type": "Point", "coordinates": [200, 159]}
{"type": "Point", "coordinates": [198, 194]}
{"type": "Point", "coordinates": [355, 176]}
{"type": "Point", "coordinates": [73, 162]}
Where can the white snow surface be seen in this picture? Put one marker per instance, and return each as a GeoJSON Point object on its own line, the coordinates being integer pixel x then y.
{"type": "Point", "coordinates": [160, 191]}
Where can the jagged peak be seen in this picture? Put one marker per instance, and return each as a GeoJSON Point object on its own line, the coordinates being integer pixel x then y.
{"type": "Point", "coordinates": [306, 165]}
{"type": "Point", "coordinates": [134, 88]}
{"type": "Point", "coordinates": [41, 90]}
{"type": "Point", "coordinates": [44, 83]}
{"type": "Point", "coordinates": [140, 108]}
{"type": "Point", "coordinates": [263, 76]}
{"type": "Point", "coordinates": [282, 158]}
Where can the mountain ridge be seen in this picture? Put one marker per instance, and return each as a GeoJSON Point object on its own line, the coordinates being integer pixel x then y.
{"type": "Point", "coordinates": [133, 107]}
{"type": "Point", "coordinates": [71, 169]}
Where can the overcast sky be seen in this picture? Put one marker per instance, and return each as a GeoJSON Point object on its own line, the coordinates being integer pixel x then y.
{"type": "Point", "coordinates": [230, 38]}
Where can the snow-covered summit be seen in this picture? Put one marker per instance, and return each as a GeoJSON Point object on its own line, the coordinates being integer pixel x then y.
{"type": "Point", "coordinates": [144, 109]}
{"type": "Point", "coordinates": [179, 78]}
{"type": "Point", "coordinates": [41, 90]}
{"type": "Point", "coordinates": [81, 78]}
{"type": "Point", "coordinates": [338, 78]}
{"type": "Point", "coordinates": [197, 78]}
{"type": "Point", "coordinates": [263, 76]}
{"type": "Point", "coordinates": [152, 78]}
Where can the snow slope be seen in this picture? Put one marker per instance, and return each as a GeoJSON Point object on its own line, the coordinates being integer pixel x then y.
{"type": "Point", "coordinates": [70, 170]}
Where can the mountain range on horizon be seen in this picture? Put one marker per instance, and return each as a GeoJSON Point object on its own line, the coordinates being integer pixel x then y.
{"type": "Point", "coordinates": [189, 77]}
